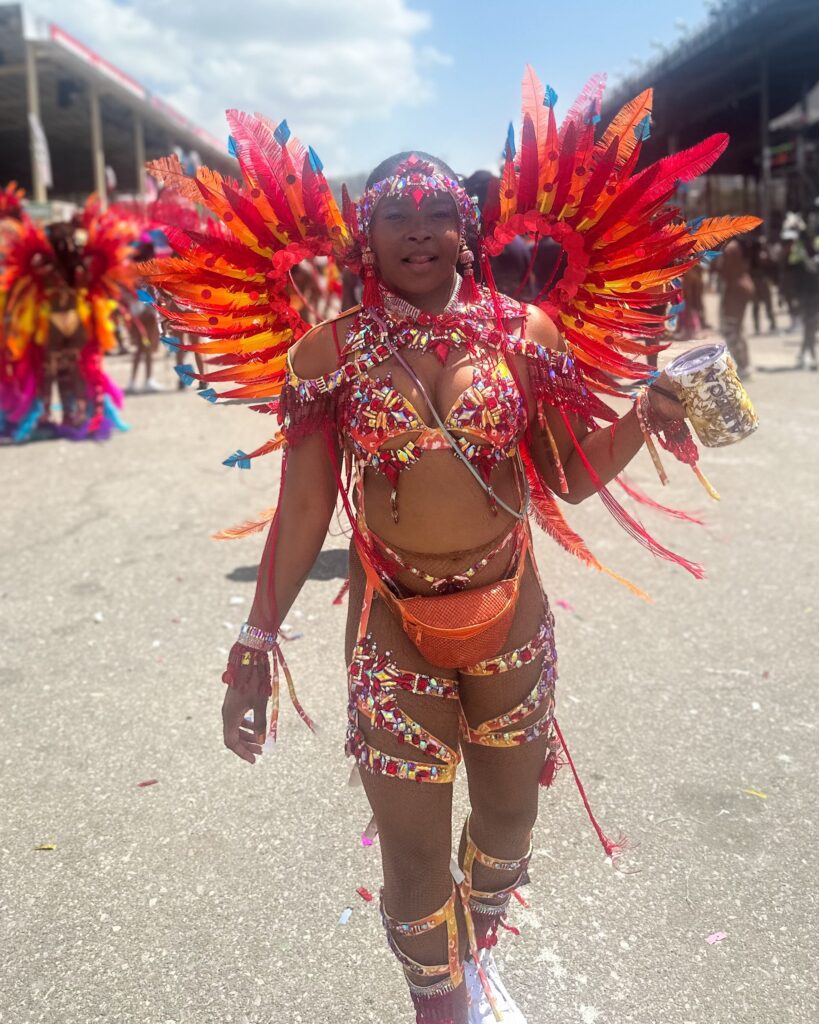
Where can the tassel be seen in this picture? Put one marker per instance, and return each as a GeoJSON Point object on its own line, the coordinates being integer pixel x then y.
{"type": "Point", "coordinates": [611, 847]}
{"type": "Point", "coordinates": [209, 395]}
{"type": "Point", "coordinates": [468, 292]}
{"type": "Point", "coordinates": [703, 479]}
{"type": "Point", "coordinates": [371, 296]}
{"type": "Point", "coordinates": [339, 598]}
{"type": "Point", "coordinates": [550, 769]}
{"type": "Point", "coordinates": [278, 659]}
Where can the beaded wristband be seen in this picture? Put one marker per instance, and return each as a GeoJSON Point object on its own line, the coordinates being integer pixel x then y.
{"type": "Point", "coordinates": [649, 426]}
{"type": "Point", "coordinates": [258, 639]}
{"type": "Point", "coordinates": [673, 435]}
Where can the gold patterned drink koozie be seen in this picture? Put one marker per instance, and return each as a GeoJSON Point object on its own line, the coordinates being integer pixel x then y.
{"type": "Point", "coordinates": [706, 382]}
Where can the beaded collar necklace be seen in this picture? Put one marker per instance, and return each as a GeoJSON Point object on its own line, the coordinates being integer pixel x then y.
{"type": "Point", "coordinates": [403, 310]}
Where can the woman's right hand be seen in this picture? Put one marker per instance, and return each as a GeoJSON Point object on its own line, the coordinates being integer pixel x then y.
{"type": "Point", "coordinates": [245, 741]}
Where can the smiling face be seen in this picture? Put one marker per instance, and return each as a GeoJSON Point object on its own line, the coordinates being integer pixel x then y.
{"type": "Point", "coordinates": [416, 245]}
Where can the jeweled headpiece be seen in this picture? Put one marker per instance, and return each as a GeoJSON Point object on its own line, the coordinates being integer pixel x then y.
{"type": "Point", "coordinates": [418, 179]}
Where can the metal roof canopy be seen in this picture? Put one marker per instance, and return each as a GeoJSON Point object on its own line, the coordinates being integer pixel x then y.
{"type": "Point", "coordinates": [751, 63]}
{"type": "Point", "coordinates": [43, 66]}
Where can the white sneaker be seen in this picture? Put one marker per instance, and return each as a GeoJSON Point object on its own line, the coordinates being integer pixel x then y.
{"type": "Point", "coordinates": [480, 1012]}
{"type": "Point", "coordinates": [152, 385]}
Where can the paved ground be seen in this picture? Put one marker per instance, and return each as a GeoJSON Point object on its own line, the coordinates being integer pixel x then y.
{"type": "Point", "coordinates": [215, 895]}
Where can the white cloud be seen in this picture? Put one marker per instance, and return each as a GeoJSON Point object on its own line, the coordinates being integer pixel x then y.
{"type": "Point", "coordinates": [326, 65]}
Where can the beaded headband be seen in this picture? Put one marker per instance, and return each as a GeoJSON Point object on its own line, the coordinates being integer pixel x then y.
{"type": "Point", "coordinates": [418, 179]}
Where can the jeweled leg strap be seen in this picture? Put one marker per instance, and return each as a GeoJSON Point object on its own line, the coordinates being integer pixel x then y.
{"type": "Point", "coordinates": [433, 1002]}
{"type": "Point", "coordinates": [375, 684]}
{"type": "Point", "coordinates": [489, 909]}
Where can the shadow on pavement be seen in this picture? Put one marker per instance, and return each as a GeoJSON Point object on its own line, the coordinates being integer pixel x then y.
{"type": "Point", "coordinates": [330, 565]}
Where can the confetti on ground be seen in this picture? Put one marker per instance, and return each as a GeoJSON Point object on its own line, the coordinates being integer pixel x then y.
{"type": "Point", "coordinates": [520, 899]}
{"type": "Point", "coordinates": [765, 674]}
{"type": "Point", "coordinates": [346, 914]}
{"type": "Point", "coordinates": [235, 600]}
{"type": "Point", "coordinates": [147, 782]}
{"type": "Point", "coordinates": [756, 792]}
{"type": "Point", "coordinates": [46, 846]}
{"type": "Point", "coordinates": [563, 603]}
{"type": "Point", "coordinates": [712, 940]}
{"type": "Point", "coordinates": [365, 840]}
{"type": "Point", "coordinates": [98, 617]}
{"type": "Point", "coordinates": [288, 632]}
{"type": "Point", "coordinates": [365, 894]}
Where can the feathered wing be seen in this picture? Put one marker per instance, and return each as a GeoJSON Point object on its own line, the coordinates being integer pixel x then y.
{"type": "Point", "coordinates": [27, 258]}
{"type": "Point", "coordinates": [624, 249]}
{"type": "Point", "coordinates": [230, 281]}
{"type": "Point", "coordinates": [108, 273]}
{"type": "Point", "coordinates": [624, 252]}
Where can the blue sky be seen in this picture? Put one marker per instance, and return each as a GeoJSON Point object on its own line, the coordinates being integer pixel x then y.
{"type": "Point", "coordinates": [490, 42]}
{"type": "Point", "coordinates": [361, 79]}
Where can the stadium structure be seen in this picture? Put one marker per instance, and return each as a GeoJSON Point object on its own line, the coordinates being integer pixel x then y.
{"type": "Point", "coordinates": [72, 123]}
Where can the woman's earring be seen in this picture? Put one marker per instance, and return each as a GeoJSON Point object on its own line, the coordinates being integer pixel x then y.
{"type": "Point", "coordinates": [371, 295]}
{"type": "Point", "coordinates": [468, 291]}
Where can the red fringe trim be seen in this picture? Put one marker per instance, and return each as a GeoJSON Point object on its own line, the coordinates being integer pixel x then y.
{"type": "Point", "coordinates": [613, 848]}
{"type": "Point", "coordinates": [644, 499]}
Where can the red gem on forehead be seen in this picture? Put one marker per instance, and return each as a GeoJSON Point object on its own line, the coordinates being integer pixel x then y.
{"type": "Point", "coordinates": [418, 194]}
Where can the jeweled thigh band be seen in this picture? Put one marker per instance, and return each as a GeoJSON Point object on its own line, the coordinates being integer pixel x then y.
{"type": "Point", "coordinates": [375, 683]}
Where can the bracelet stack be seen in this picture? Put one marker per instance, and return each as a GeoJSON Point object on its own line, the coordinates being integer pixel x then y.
{"type": "Point", "coordinates": [673, 435]}
{"type": "Point", "coordinates": [257, 639]}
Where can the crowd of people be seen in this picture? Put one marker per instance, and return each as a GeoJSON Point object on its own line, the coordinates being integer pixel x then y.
{"type": "Point", "coordinates": [777, 279]}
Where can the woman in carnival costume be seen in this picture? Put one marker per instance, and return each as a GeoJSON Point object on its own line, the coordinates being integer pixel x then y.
{"type": "Point", "coordinates": [445, 417]}
{"type": "Point", "coordinates": [60, 288]}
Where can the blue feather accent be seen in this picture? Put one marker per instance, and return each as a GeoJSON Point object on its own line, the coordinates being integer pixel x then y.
{"type": "Point", "coordinates": [711, 254]}
{"type": "Point", "coordinates": [315, 162]}
{"type": "Point", "coordinates": [238, 459]}
{"type": "Point", "coordinates": [642, 131]}
{"type": "Point", "coordinates": [112, 412]}
{"type": "Point", "coordinates": [677, 308]}
{"type": "Point", "coordinates": [232, 150]}
{"type": "Point", "coordinates": [185, 373]}
{"type": "Point", "coordinates": [170, 343]}
{"type": "Point", "coordinates": [694, 225]}
{"type": "Point", "coordinates": [282, 133]}
{"type": "Point", "coordinates": [550, 98]}
{"type": "Point", "coordinates": [2, 421]}
{"type": "Point", "coordinates": [208, 394]}
{"type": "Point", "coordinates": [26, 427]}
{"type": "Point", "coordinates": [145, 297]}
{"type": "Point", "coordinates": [510, 141]}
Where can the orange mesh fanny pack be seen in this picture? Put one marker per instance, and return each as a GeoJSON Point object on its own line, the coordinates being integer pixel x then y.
{"type": "Point", "coordinates": [455, 630]}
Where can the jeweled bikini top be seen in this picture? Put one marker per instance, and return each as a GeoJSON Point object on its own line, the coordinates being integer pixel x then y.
{"type": "Point", "coordinates": [381, 426]}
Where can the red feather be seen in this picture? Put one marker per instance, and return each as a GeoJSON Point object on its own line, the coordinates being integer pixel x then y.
{"type": "Point", "coordinates": [528, 177]}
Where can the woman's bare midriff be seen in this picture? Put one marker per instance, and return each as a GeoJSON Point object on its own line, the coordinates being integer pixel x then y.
{"type": "Point", "coordinates": [445, 520]}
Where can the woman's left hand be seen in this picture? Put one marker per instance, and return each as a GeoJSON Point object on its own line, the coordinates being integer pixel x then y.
{"type": "Point", "coordinates": [665, 407]}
